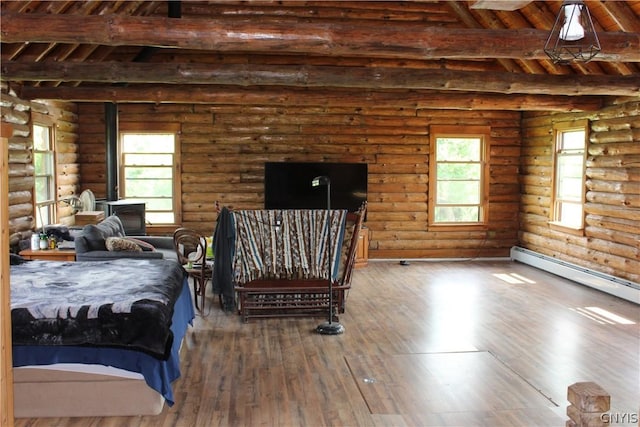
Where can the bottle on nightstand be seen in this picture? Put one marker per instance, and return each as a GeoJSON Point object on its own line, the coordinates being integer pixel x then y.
{"type": "Point", "coordinates": [35, 241]}
{"type": "Point", "coordinates": [44, 242]}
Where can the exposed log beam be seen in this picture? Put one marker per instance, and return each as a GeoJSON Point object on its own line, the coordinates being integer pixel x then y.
{"type": "Point", "coordinates": [284, 35]}
{"type": "Point", "coordinates": [322, 76]}
{"type": "Point", "coordinates": [419, 99]}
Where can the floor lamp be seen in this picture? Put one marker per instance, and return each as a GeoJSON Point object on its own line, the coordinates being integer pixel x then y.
{"type": "Point", "coordinates": [329, 327]}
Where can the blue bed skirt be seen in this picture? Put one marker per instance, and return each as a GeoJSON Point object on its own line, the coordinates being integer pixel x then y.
{"type": "Point", "coordinates": [158, 374]}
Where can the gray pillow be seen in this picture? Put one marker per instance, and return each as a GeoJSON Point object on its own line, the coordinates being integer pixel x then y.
{"type": "Point", "coordinates": [112, 227]}
{"type": "Point", "coordinates": [94, 237]}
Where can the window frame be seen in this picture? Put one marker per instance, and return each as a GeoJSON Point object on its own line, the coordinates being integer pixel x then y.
{"type": "Point", "coordinates": [155, 128]}
{"type": "Point", "coordinates": [41, 120]}
{"type": "Point", "coordinates": [559, 129]}
{"type": "Point", "coordinates": [484, 134]}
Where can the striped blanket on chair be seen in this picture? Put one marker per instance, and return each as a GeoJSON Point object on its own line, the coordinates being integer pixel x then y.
{"type": "Point", "coordinates": [287, 244]}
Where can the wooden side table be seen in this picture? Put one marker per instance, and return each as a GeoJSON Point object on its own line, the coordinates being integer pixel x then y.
{"type": "Point", "coordinates": [50, 254]}
{"type": "Point", "coordinates": [362, 251]}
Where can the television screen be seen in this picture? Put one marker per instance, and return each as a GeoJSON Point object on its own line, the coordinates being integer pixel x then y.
{"type": "Point", "coordinates": [287, 185]}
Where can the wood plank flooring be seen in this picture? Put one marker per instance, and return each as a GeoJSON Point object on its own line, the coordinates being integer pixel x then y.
{"type": "Point", "coordinates": [486, 343]}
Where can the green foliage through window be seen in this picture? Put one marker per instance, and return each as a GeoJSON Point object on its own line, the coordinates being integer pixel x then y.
{"type": "Point", "coordinates": [148, 170]}
{"type": "Point", "coordinates": [459, 180]}
{"type": "Point", "coordinates": [44, 175]}
{"type": "Point", "coordinates": [569, 177]}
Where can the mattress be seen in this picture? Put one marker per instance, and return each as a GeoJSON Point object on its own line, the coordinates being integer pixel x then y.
{"type": "Point", "coordinates": [69, 390]}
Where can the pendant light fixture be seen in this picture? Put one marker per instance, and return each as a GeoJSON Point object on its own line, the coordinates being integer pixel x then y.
{"type": "Point", "coordinates": [573, 36]}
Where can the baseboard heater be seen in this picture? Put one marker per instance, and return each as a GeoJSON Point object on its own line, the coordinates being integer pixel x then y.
{"type": "Point", "coordinates": [621, 288]}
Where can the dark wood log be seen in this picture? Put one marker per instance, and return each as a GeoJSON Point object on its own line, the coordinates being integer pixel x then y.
{"type": "Point", "coordinates": [20, 224]}
{"type": "Point", "coordinates": [20, 156]}
{"type": "Point", "coordinates": [20, 210]}
{"type": "Point", "coordinates": [203, 94]}
{"type": "Point", "coordinates": [11, 115]}
{"type": "Point", "coordinates": [21, 183]}
{"type": "Point", "coordinates": [322, 76]}
{"type": "Point", "coordinates": [290, 35]}
{"type": "Point", "coordinates": [16, 197]}
{"type": "Point", "coordinates": [21, 169]}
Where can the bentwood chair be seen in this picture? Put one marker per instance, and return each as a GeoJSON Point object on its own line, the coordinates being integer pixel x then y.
{"type": "Point", "coordinates": [191, 248]}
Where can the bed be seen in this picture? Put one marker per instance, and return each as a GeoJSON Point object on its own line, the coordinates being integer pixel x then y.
{"type": "Point", "coordinates": [97, 338]}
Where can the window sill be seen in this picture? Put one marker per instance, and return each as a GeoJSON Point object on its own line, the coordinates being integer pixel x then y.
{"type": "Point", "coordinates": [558, 226]}
{"type": "Point", "coordinates": [456, 227]}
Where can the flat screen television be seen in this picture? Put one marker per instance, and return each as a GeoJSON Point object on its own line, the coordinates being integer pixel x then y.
{"type": "Point", "coordinates": [287, 185]}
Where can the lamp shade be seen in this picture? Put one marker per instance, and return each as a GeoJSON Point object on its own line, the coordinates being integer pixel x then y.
{"type": "Point", "coordinates": [573, 36]}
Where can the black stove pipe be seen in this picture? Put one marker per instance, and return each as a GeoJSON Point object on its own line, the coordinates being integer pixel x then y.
{"type": "Point", "coordinates": [111, 142]}
{"type": "Point", "coordinates": [111, 117]}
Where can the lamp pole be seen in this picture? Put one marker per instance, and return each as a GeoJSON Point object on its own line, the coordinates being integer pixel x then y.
{"type": "Point", "coordinates": [329, 327]}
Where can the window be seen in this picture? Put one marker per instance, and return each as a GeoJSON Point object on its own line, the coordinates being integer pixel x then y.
{"type": "Point", "coordinates": [148, 165]}
{"type": "Point", "coordinates": [458, 175]}
{"type": "Point", "coordinates": [568, 183]}
{"type": "Point", "coordinates": [44, 174]}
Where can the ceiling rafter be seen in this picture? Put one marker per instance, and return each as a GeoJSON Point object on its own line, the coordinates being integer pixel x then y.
{"type": "Point", "coordinates": [293, 36]}
{"type": "Point", "coordinates": [464, 48]}
{"type": "Point", "coordinates": [323, 76]}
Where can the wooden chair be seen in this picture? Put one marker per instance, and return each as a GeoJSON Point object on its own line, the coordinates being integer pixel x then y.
{"type": "Point", "coordinates": [268, 297]}
{"type": "Point", "coordinates": [191, 248]}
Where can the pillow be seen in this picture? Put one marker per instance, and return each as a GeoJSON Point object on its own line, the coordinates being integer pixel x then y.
{"type": "Point", "coordinates": [94, 237]}
{"type": "Point", "coordinates": [112, 226]}
{"type": "Point", "coordinates": [145, 246]}
{"type": "Point", "coordinates": [121, 244]}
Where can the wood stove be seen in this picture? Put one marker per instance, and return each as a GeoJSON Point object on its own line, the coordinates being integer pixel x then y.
{"type": "Point", "coordinates": [130, 212]}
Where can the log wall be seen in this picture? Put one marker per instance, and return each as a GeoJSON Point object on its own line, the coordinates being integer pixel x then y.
{"type": "Point", "coordinates": [224, 148]}
{"type": "Point", "coordinates": [611, 240]}
{"type": "Point", "coordinates": [18, 113]}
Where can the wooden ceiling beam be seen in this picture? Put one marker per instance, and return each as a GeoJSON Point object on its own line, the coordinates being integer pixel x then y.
{"type": "Point", "coordinates": [284, 35]}
{"type": "Point", "coordinates": [227, 95]}
{"type": "Point", "coordinates": [322, 76]}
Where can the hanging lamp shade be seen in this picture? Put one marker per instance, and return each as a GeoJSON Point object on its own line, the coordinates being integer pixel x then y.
{"type": "Point", "coordinates": [573, 36]}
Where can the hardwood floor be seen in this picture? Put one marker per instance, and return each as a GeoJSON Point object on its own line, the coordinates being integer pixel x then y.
{"type": "Point", "coordinates": [432, 343]}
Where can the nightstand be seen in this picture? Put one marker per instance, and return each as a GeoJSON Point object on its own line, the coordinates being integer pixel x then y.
{"type": "Point", "coordinates": [49, 254]}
